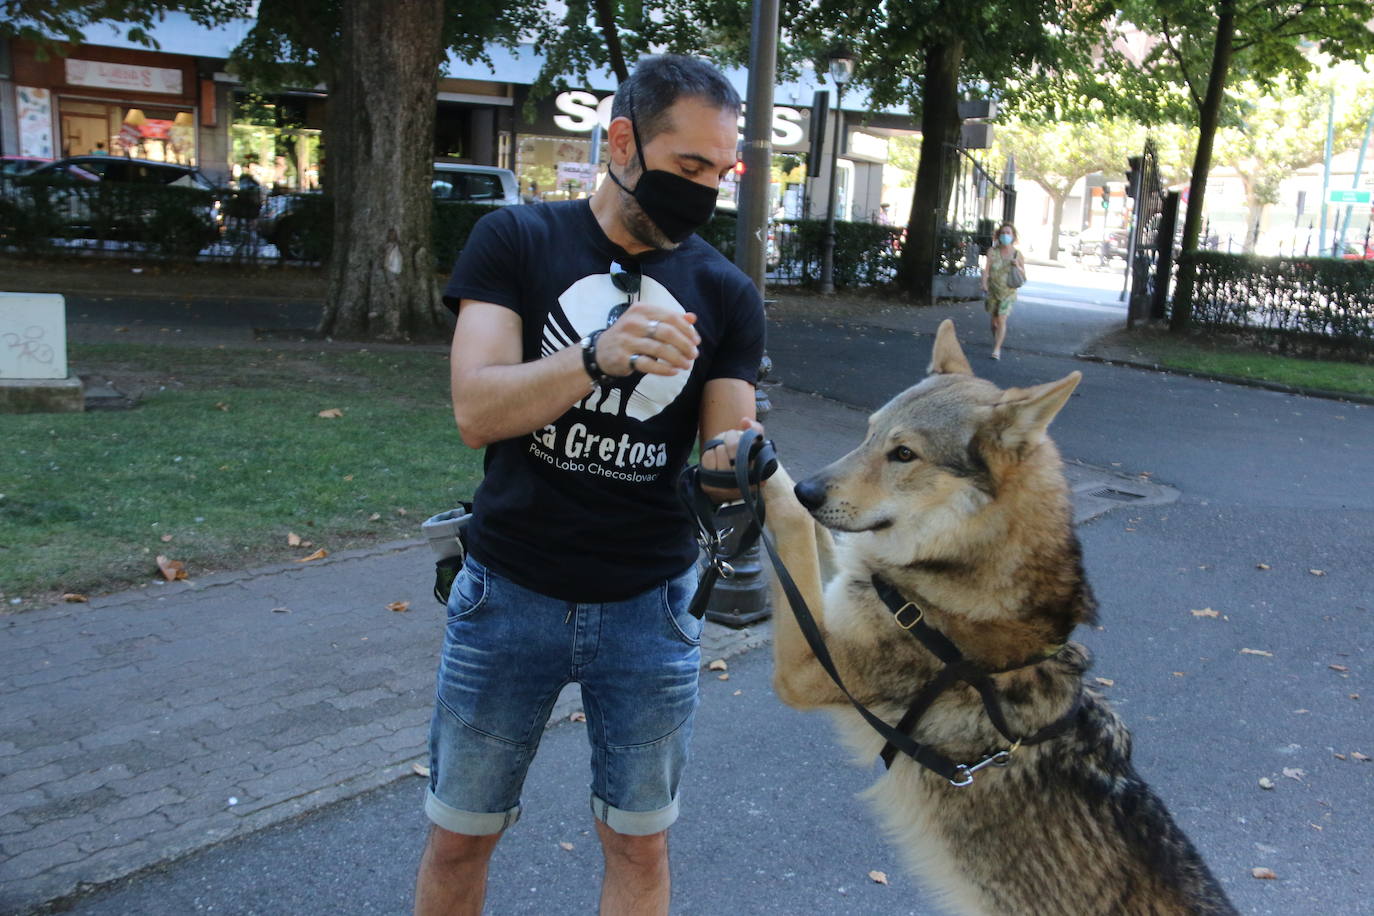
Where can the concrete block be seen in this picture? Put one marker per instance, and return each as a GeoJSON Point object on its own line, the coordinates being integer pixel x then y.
{"type": "Point", "coordinates": [41, 395]}
{"type": "Point", "coordinates": [33, 336]}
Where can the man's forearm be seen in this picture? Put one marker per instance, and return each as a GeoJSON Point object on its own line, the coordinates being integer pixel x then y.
{"type": "Point", "coordinates": [501, 402]}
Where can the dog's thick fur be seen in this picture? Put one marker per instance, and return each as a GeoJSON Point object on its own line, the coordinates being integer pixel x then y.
{"type": "Point", "coordinates": [957, 497]}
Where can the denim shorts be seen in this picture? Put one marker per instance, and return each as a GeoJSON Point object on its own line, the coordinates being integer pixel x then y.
{"type": "Point", "coordinates": [508, 651]}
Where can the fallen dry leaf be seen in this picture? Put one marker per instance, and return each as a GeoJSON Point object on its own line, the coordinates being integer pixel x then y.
{"type": "Point", "coordinates": [171, 570]}
{"type": "Point", "coordinates": [166, 539]}
{"type": "Point", "coordinates": [1205, 612]}
{"type": "Point", "coordinates": [1301, 712]}
{"type": "Point", "coordinates": [1264, 874]}
{"type": "Point", "coordinates": [1354, 696]}
{"type": "Point", "coordinates": [1105, 681]}
{"type": "Point", "coordinates": [578, 716]}
{"type": "Point", "coordinates": [220, 405]}
{"type": "Point", "coordinates": [877, 877]}
{"type": "Point", "coordinates": [1294, 773]}
{"type": "Point", "coordinates": [419, 769]}
{"type": "Point", "coordinates": [375, 517]}
{"type": "Point", "coordinates": [1257, 652]}
{"type": "Point", "coordinates": [737, 693]}
{"type": "Point", "coordinates": [1358, 756]}
{"type": "Point", "coordinates": [398, 606]}
{"type": "Point", "coordinates": [723, 677]}
{"type": "Point", "coordinates": [401, 512]}
{"type": "Point", "coordinates": [566, 847]}
{"type": "Point", "coordinates": [348, 477]}
{"type": "Point", "coordinates": [74, 598]}
{"type": "Point", "coordinates": [1178, 674]}
{"type": "Point", "coordinates": [332, 413]}
{"type": "Point", "coordinates": [1266, 783]}
{"type": "Point", "coordinates": [293, 539]}
{"type": "Point", "coordinates": [1338, 667]}
{"type": "Point", "coordinates": [317, 555]}
{"type": "Point", "coordinates": [717, 665]}
{"type": "Point", "coordinates": [1261, 566]}
{"type": "Point", "coordinates": [1317, 572]}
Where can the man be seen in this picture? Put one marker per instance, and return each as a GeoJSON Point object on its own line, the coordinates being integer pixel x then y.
{"type": "Point", "coordinates": [595, 339]}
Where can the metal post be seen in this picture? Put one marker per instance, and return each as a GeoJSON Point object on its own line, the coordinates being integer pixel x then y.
{"type": "Point", "coordinates": [828, 246]}
{"type": "Point", "coordinates": [742, 599]}
{"type": "Point", "coordinates": [1326, 170]}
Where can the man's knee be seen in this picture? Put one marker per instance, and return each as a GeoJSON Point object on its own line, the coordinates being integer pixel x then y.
{"type": "Point", "coordinates": [634, 850]}
{"type": "Point", "coordinates": [449, 849]}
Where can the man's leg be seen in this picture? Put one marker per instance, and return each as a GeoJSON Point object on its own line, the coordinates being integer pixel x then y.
{"type": "Point", "coordinates": [453, 873]}
{"type": "Point", "coordinates": [637, 881]}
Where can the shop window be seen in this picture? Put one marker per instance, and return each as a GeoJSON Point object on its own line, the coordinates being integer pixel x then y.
{"type": "Point", "coordinates": [159, 134]}
{"type": "Point", "coordinates": [271, 146]}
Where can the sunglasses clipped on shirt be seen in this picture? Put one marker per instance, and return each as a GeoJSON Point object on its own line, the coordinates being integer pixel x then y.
{"type": "Point", "coordinates": [627, 280]}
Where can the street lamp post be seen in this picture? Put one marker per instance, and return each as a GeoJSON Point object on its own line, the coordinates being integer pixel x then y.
{"type": "Point", "coordinates": [841, 69]}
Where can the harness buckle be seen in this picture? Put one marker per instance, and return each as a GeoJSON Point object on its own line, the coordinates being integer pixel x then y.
{"type": "Point", "coordinates": [964, 771]}
{"type": "Point", "coordinates": [905, 625]}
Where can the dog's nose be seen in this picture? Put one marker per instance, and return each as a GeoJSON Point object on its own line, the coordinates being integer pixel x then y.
{"type": "Point", "coordinates": [811, 493]}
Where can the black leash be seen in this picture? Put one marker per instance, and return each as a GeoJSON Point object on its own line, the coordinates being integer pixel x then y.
{"type": "Point", "coordinates": [746, 478]}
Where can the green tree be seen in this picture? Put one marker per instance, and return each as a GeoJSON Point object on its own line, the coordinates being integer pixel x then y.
{"type": "Point", "coordinates": [381, 65]}
{"type": "Point", "coordinates": [1056, 155]}
{"type": "Point", "coordinates": [1194, 50]}
{"type": "Point", "coordinates": [46, 21]}
{"type": "Point", "coordinates": [927, 54]}
{"type": "Point", "coordinates": [1282, 128]}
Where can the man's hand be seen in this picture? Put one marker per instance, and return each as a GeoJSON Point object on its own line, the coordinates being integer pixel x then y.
{"type": "Point", "coordinates": [648, 338]}
{"type": "Point", "coordinates": [722, 457]}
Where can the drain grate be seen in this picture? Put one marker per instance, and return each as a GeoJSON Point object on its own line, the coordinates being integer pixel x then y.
{"type": "Point", "coordinates": [1120, 496]}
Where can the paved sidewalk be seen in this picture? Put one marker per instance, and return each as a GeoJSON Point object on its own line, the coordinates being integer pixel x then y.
{"type": "Point", "coordinates": [154, 722]}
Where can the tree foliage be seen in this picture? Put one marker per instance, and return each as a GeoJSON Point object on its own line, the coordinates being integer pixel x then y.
{"type": "Point", "coordinates": [46, 21]}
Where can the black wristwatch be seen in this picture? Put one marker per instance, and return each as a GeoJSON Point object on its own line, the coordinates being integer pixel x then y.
{"type": "Point", "coordinates": [589, 358]}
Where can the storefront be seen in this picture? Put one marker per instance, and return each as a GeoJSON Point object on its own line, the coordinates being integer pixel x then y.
{"type": "Point", "coordinates": [554, 155]}
{"type": "Point", "coordinates": [110, 100]}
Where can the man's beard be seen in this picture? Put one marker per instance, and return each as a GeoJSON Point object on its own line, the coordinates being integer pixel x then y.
{"type": "Point", "coordinates": [637, 222]}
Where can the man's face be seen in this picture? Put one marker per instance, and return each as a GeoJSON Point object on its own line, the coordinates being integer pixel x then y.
{"type": "Point", "coordinates": [698, 144]}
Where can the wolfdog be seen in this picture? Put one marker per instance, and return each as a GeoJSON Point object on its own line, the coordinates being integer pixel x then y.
{"type": "Point", "coordinates": [956, 504]}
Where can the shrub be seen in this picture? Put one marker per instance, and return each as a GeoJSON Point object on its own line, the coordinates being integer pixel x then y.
{"type": "Point", "coordinates": [1298, 304]}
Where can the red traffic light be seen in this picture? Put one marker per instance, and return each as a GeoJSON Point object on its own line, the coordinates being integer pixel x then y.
{"type": "Point", "coordinates": [739, 167]}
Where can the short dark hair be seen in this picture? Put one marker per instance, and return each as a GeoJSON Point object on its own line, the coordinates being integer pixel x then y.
{"type": "Point", "coordinates": [659, 81]}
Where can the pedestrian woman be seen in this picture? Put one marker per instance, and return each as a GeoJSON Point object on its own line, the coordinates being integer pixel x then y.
{"type": "Point", "coordinates": [999, 295]}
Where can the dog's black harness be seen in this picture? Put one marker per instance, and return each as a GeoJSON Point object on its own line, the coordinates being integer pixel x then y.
{"type": "Point", "coordinates": [747, 477]}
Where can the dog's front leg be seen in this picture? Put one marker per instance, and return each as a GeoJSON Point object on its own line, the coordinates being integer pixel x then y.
{"type": "Point", "coordinates": [798, 678]}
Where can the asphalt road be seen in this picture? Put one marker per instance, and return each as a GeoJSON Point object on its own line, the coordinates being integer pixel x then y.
{"type": "Point", "coordinates": [1272, 532]}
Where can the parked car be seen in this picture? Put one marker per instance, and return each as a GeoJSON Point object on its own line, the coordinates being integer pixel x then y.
{"type": "Point", "coordinates": [67, 191]}
{"type": "Point", "coordinates": [1105, 245]}
{"type": "Point", "coordinates": [13, 166]}
{"type": "Point", "coordinates": [283, 219]}
{"type": "Point", "coordinates": [1357, 251]}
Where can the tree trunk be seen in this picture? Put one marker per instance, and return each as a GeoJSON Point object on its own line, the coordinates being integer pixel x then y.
{"type": "Point", "coordinates": [381, 117]}
{"type": "Point", "coordinates": [935, 173]}
{"type": "Point", "coordinates": [1208, 118]}
{"type": "Point", "coordinates": [1057, 199]}
{"type": "Point", "coordinates": [1254, 212]}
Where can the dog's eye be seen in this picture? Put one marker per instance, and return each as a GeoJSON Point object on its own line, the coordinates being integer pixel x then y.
{"type": "Point", "coordinates": [903, 454]}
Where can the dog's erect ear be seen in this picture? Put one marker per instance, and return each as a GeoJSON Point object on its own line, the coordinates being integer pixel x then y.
{"type": "Point", "coordinates": [1026, 412]}
{"type": "Point", "coordinates": [947, 358]}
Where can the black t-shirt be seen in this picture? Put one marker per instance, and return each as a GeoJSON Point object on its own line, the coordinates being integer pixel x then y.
{"type": "Point", "coordinates": [586, 509]}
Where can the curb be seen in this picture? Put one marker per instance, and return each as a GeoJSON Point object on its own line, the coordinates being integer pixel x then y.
{"type": "Point", "coordinates": [1229, 379]}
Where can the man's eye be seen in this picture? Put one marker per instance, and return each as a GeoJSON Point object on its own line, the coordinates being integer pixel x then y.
{"type": "Point", "coordinates": [902, 453]}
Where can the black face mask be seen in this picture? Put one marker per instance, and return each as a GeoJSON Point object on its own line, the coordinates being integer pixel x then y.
{"type": "Point", "coordinates": [678, 206]}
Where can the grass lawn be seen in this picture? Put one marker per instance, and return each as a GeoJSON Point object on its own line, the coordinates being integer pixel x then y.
{"type": "Point", "coordinates": [1196, 354]}
{"type": "Point", "coordinates": [224, 456]}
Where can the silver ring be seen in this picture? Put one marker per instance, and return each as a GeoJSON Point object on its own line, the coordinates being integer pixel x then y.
{"type": "Point", "coordinates": [653, 326]}
{"type": "Point", "coordinates": [633, 357]}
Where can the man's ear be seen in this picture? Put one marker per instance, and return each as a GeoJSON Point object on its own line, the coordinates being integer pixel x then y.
{"type": "Point", "coordinates": [947, 358]}
{"type": "Point", "coordinates": [621, 140]}
{"type": "Point", "coordinates": [1025, 413]}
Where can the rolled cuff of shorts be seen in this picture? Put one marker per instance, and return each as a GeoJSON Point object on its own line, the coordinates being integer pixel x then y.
{"type": "Point", "coordinates": [634, 823]}
{"type": "Point", "coordinates": [469, 823]}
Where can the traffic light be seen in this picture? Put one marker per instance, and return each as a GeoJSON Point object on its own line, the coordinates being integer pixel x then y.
{"type": "Point", "coordinates": [1133, 176]}
{"type": "Point", "coordinates": [739, 168]}
{"type": "Point", "coordinates": [1106, 197]}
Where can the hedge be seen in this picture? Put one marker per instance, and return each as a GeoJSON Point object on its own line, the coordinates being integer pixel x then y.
{"type": "Point", "coordinates": [1287, 303]}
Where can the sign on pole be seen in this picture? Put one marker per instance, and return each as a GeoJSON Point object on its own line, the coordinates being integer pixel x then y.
{"type": "Point", "coordinates": [1349, 197]}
